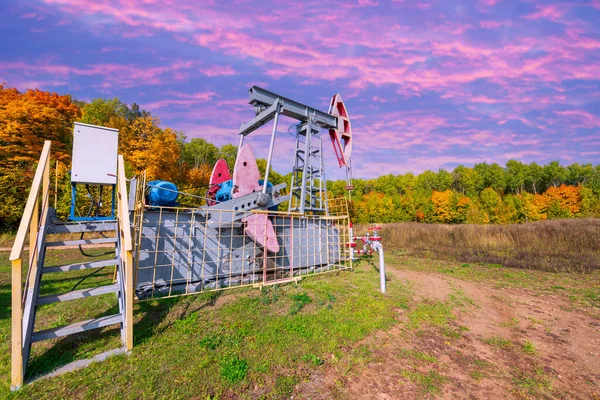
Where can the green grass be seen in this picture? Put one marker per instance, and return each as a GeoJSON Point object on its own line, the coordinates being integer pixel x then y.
{"type": "Point", "coordinates": [434, 313]}
{"type": "Point", "coordinates": [210, 345]}
{"type": "Point", "coordinates": [479, 369]}
{"type": "Point", "coordinates": [300, 300]}
{"type": "Point", "coordinates": [233, 369]}
{"type": "Point", "coordinates": [511, 323]}
{"type": "Point", "coordinates": [499, 342]}
{"type": "Point", "coordinates": [458, 298]}
{"type": "Point", "coordinates": [417, 355]}
{"type": "Point", "coordinates": [529, 348]}
{"type": "Point", "coordinates": [534, 383]}
{"type": "Point", "coordinates": [430, 382]}
{"type": "Point", "coordinates": [261, 344]}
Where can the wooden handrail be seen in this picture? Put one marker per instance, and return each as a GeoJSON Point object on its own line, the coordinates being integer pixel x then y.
{"type": "Point", "coordinates": [29, 224]}
{"type": "Point", "coordinates": [125, 250]}
{"type": "Point", "coordinates": [123, 203]}
{"type": "Point", "coordinates": [36, 185]}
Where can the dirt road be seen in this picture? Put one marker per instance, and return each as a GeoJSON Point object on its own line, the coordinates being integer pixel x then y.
{"type": "Point", "coordinates": [464, 339]}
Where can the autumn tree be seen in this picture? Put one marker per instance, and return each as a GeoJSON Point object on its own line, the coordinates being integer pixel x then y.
{"type": "Point", "coordinates": [26, 121]}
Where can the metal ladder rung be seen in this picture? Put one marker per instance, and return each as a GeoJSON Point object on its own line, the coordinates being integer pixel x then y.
{"type": "Point", "coordinates": [104, 226]}
{"type": "Point", "coordinates": [77, 327]}
{"type": "Point", "coordinates": [81, 242]}
{"type": "Point", "coordinates": [78, 294]}
{"type": "Point", "coordinates": [80, 266]}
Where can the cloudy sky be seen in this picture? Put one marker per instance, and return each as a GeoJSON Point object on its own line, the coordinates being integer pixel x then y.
{"type": "Point", "coordinates": [428, 85]}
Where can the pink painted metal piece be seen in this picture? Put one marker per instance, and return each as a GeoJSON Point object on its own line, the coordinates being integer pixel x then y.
{"type": "Point", "coordinates": [245, 180]}
{"type": "Point", "coordinates": [220, 174]}
{"type": "Point", "coordinates": [341, 138]}
{"type": "Point", "coordinates": [245, 173]}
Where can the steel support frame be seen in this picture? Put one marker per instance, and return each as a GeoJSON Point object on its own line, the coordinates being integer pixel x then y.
{"type": "Point", "coordinates": [269, 106]}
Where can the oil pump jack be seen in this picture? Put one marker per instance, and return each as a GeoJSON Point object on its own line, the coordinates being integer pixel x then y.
{"type": "Point", "coordinates": [237, 238]}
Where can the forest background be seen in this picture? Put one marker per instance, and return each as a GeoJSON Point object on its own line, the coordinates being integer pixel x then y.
{"type": "Point", "coordinates": [483, 194]}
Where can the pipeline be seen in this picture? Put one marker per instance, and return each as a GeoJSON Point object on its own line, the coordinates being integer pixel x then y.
{"type": "Point", "coordinates": [373, 241]}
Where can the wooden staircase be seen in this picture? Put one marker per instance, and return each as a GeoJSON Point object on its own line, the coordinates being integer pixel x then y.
{"type": "Point", "coordinates": [39, 221]}
{"type": "Point", "coordinates": [34, 300]}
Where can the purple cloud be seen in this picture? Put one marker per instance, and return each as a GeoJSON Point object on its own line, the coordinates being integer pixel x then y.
{"type": "Point", "coordinates": [435, 84]}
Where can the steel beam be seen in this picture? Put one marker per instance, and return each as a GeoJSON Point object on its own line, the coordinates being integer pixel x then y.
{"type": "Point", "coordinates": [291, 108]}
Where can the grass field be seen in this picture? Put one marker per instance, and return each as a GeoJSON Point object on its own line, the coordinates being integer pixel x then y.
{"type": "Point", "coordinates": [444, 329]}
{"type": "Point", "coordinates": [569, 245]}
{"type": "Point", "coordinates": [216, 343]}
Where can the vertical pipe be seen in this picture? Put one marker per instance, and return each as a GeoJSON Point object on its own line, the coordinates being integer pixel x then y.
{"type": "Point", "coordinates": [17, 326]}
{"type": "Point", "coordinates": [270, 157]}
{"type": "Point", "coordinates": [381, 268]}
{"type": "Point", "coordinates": [351, 241]}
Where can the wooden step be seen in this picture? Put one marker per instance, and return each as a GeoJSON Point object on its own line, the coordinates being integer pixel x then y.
{"type": "Point", "coordinates": [80, 266]}
{"type": "Point", "coordinates": [94, 226]}
{"type": "Point", "coordinates": [77, 327]}
{"type": "Point", "coordinates": [66, 243]}
{"type": "Point", "coordinates": [77, 294]}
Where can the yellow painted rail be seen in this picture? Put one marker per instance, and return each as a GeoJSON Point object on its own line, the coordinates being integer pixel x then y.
{"type": "Point", "coordinates": [30, 223]}
{"type": "Point", "coordinates": [125, 249]}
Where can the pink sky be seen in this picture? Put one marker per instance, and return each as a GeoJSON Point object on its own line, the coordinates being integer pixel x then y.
{"type": "Point", "coordinates": [428, 85]}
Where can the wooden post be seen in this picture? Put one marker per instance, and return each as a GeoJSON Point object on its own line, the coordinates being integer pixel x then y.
{"type": "Point", "coordinates": [17, 326]}
{"type": "Point", "coordinates": [126, 247]}
{"type": "Point", "coordinates": [56, 186]}
{"type": "Point", "coordinates": [129, 301]}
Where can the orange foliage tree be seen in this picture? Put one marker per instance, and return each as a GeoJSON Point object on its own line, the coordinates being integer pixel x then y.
{"type": "Point", "coordinates": [26, 121]}
{"type": "Point", "coordinates": [562, 201]}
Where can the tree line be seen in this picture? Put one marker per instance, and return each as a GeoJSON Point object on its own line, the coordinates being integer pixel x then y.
{"type": "Point", "coordinates": [486, 193]}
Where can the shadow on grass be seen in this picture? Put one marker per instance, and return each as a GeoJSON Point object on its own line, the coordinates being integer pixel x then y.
{"type": "Point", "coordinates": [371, 261]}
{"type": "Point", "coordinates": [71, 348]}
{"type": "Point", "coordinates": [5, 300]}
{"type": "Point", "coordinates": [155, 311]}
{"type": "Point", "coordinates": [88, 344]}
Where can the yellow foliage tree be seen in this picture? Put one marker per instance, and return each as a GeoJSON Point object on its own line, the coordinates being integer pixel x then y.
{"type": "Point", "coordinates": [26, 121]}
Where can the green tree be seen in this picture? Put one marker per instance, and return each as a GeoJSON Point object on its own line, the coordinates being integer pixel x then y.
{"type": "Point", "coordinates": [467, 180]}
{"type": "Point", "coordinates": [490, 200]}
{"type": "Point", "coordinates": [199, 152]}
{"type": "Point", "coordinates": [105, 112]}
{"type": "Point", "coordinates": [426, 181]}
{"type": "Point", "coordinates": [579, 174]}
{"type": "Point", "coordinates": [444, 180]}
{"type": "Point", "coordinates": [535, 176]}
{"type": "Point", "coordinates": [229, 153]}
{"type": "Point", "coordinates": [516, 174]}
{"type": "Point", "coordinates": [554, 174]}
{"type": "Point", "coordinates": [493, 175]}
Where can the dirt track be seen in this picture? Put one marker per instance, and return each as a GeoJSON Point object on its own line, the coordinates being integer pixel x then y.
{"type": "Point", "coordinates": [487, 360]}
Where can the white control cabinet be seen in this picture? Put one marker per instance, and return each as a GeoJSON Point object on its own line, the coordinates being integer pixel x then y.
{"type": "Point", "coordinates": [95, 151]}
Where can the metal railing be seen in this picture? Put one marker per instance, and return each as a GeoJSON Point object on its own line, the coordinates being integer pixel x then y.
{"type": "Point", "coordinates": [34, 216]}
{"type": "Point", "coordinates": [182, 251]}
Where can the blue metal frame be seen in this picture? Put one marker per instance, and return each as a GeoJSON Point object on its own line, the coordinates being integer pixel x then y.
{"type": "Point", "coordinates": [72, 216]}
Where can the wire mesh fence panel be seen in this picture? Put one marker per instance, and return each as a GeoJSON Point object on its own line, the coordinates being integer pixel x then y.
{"type": "Point", "coordinates": [338, 207]}
{"type": "Point", "coordinates": [181, 251]}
